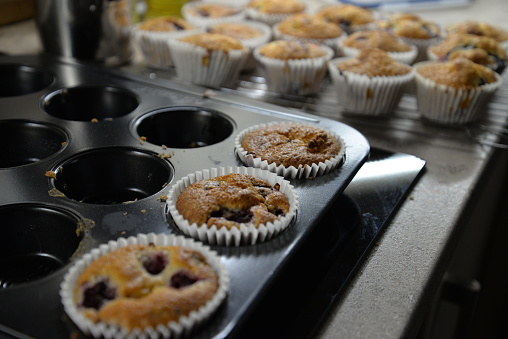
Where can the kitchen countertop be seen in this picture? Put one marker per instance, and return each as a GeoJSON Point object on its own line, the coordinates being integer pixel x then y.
{"type": "Point", "coordinates": [390, 293]}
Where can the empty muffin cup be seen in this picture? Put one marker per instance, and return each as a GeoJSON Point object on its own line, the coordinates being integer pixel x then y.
{"type": "Point", "coordinates": [20, 80]}
{"type": "Point", "coordinates": [90, 102]}
{"type": "Point", "coordinates": [113, 175]}
{"type": "Point", "coordinates": [184, 127]}
{"type": "Point", "coordinates": [35, 241]}
{"type": "Point", "coordinates": [25, 142]}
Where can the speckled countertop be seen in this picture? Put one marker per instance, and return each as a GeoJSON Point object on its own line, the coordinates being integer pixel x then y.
{"type": "Point", "coordinates": [391, 292]}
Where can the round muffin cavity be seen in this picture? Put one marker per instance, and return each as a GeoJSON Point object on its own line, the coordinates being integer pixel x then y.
{"type": "Point", "coordinates": [289, 144]}
{"type": "Point", "coordinates": [230, 200]}
{"type": "Point", "coordinates": [140, 286]}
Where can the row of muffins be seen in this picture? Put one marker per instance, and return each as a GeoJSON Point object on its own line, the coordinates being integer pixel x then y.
{"type": "Point", "coordinates": [160, 285]}
{"type": "Point", "coordinates": [301, 55]}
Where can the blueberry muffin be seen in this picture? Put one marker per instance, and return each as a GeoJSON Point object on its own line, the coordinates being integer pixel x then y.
{"type": "Point", "coordinates": [479, 49]}
{"type": "Point", "coordinates": [454, 91]}
{"type": "Point", "coordinates": [371, 83]}
{"type": "Point", "coordinates": [231, 200]}
{"type": "Point", "coordinates": [293, 67]}
{"type": "Point", "coordinates": [481, 29]}
{"type": "Point", "coordinates": [206, 13]}
{"type": "Point", "coordinates": [349, 17]}
{"type": "Point", "coordinates": [381, 39]}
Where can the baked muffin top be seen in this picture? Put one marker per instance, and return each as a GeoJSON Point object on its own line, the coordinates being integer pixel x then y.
{"type": "Point", "coordinates": [291, 144]}
{"type": "Point", "coordinates": [479, 28]}
{"type": "Point", "coordinates": [211, 10]}
{"type": "Point", "coordinates": [374, 62]}
{"type": "Point", "coordinates": [290, 49]}
{"type": "Point", "coordinates": [230, 200]}
{"type": "Point", "coordinates": [411, 26]}
{"type": "Point", "coordinates": [457, 73]}
{"type": "Point", "coordinates": [480, 49]}
{"type": "Point", "coordinates": [306, 26]}
{"type": "Point", "coordinates": [145, 285]}
{"type": "Point", "coordinates": [213, 41]}
{"type": "Point", "coordinates": [376, 39]}
{"type": "Point", "coordinates": [346, 15]}
{"type": "Point", "coordinates": [165, 24]}
{"type": "Point", "coordinates": [235, 30]}
{"type": "Point", "coordinates": [277, 6]}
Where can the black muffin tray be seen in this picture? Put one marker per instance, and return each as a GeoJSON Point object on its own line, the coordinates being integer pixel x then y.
{"type": "Point", "coordinates": [88, 154]}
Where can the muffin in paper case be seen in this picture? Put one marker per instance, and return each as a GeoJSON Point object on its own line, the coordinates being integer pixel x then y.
{"type": "Point", "coordinates": [234, 236]}
{"type": "Point", "coordinates": [405, 57]}
{"type": "Point", "coordinates": [214, 68]}
{"type": "Point", "coordinates": [270, 17]}
{"type": "Point", "coordinates": [294, 76]}
{"type": "Point", "coordinates": [154, 46]}
{"type": "Point", "coordinates": [302, 171]}
{"type": "Point", "coordinates": [185, 324]}
{"type": "Point", "coordinates": [449, 105]}
{"type": "Point", "coordinates": [251, 43]}
{"type": "Point", "coordinates": [190, 11]}
{"type": "Point", "coordinates": [359, 93]}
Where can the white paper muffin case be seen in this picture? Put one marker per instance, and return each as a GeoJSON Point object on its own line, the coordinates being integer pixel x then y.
{"type": "Point", "coordinates": [450, 105]}
{"type": "Point", "coordinates": [171, 330]}
{"type": "Point", "coordinates": [245, 234]}
{"type": "Point", "coordinates": [294, 76]}
{"type": "Point", "coordinates": [422, 45]}
{"type": "Point", "coordinates": [362, 94]}
{"type": "Point", "coordinates": [154, 46]}
{"type": "Point", "coordinates": [196, 65]}
{"type": "Point", "coordinates": [305, 171]}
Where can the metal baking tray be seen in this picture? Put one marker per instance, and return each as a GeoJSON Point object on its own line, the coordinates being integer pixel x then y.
{"type": "Point", "coordinates": [120, 141]}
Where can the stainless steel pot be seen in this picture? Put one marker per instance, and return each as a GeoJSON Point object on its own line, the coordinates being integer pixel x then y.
{"type": "Point", "coordinates": [91, 30]}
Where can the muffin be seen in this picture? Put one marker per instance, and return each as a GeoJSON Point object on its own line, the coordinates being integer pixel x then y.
{"type": "Point", "coordinates": [293, 150]}
{"type": "Point", "coordinates": [208, 59]}
{"type": "Point", "coordinates": [395, 47]}
{"type": "Point", "coordinates": [150, 284]}
{"type": "Point", "coordinates": [293, 67]}
{"type": "Point", "coordinates": [273, 11]}
{"type": "Point", "coordinates": [309, 28]}
{"type": "Point", "coordinates": [349, 18]}
{"type": "Point", "coordinates": [481, 29]}
{"type": "Point", "coordinates": [454, 92]}
{"type": "Point", "coordinates": [232, 206]}
{"type": "Point", "coordinates": [203, 14]}
{"type": "Point", "coordinates": [151, 37]}
{"type": "Point", "coordinates": [371, 83]}
{"type": "Point", "coordinates": [413, 30]}
{"type": "Point", "coordinates": [479, 49]}
{"type": "Point", "coordinates": [251, 34]}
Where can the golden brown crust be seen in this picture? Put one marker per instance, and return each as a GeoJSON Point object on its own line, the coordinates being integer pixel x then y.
{"type": "Point", "coordinates": [410, 26]}
{"type": "Point", "coordinates": [374, 62]}
{"type": "Point", "coordinates": [346, 15]}
{"type": "Point", "coordinates": [214, 42]}
{"type": "Point", "coordinates": [232, 199]}
{"type": "Point", "coordinates": [291, 144]}
{"type": "Point", "coordinates": [376, 39]}
{"type": "Point", "coordinates": [277, 6]}
{"type": "Point", "coordinates": [479, 49]}
{"type": "Point", "coordinates": [212, 10]}
{"type": "Point", "coordinates": [141, 296]}
{"type": "Point", "coordinates": [287, 50]}
{"type": "Point", "coordinates": [165, 24]}
{"type": "Point", "coordinates": [457, 73]}
{"type": "Point", "coordinates": [480, 29]}
{"type": "Point", "coordinates": [235, 30]}
{"type": "Point", "coordinates": [308, 26]}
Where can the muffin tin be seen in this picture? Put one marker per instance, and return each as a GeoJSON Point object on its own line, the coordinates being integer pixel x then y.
{"type": "Point", "coordinates": [88, 155]}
